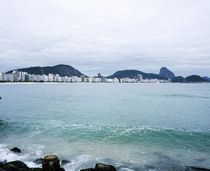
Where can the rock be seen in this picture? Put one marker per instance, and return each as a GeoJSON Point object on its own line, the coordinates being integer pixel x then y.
{"type": "Point", "coordinates": [165, 72]}
{"type": "Point", "coordinates": [89, 169]}
{"type": "Point", "coordinates": [15, 165]}
{"type": "Point", "coordinates": [1, 165]}
{"type": "Point", "coordinates": [51, 163]}
{"type": "Point", "coordinates": [35, 169]}
{"type": "Point", "coordinates": [16, 150]}
{"type": "Point", "coordinates": [103, 167]}
{"type": "Point", "coordinates": [38, 161]}
{"type": "Point", "coordinates": [64, 162]}
{"type": "Point", "coordinates": [191, 168]}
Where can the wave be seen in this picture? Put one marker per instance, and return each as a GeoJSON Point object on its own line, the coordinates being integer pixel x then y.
{"type": "Point", "coordinates": [132, 142]}
{"type": "Point", "coordinates": [179, 138]}
{"type": "Point", "coordinates": [186, 96]}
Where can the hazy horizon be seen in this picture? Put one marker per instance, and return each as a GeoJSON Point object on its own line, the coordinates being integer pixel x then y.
{"type": "Point", "coordinates": [106, 36]}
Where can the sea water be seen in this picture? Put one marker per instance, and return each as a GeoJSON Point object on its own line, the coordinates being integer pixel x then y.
{"type": "Point", "coordinates": [130, 126]}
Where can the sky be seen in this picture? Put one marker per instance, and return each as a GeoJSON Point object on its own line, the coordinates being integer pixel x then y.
{"type": "Point", "coordinates": [106, 35]}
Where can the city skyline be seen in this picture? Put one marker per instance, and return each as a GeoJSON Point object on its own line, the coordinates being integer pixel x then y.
{"type": "Point", "coordinates": [106, 36]}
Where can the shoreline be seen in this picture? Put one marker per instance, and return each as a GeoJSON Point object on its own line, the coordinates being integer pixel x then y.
{"type": "Point", "coordinates": [52, 162]}
{"type": "Point", "coordinates": [4, 83]}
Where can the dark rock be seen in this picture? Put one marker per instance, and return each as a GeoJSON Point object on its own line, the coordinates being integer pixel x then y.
{"type": "Point", "coordinates": [2, 169]}
{"type": "Point", "coordinates": [89, 169]}
{"type": "Point", "coordinates": [16, 150]}
{"type": "Point", "coordinates": [38, 161]}
{"type": "Point", "coordinates": [15, 165]}
{"type": "Point", "coordinates": [51, 163]}
{"type": "Point", "coordinates": [103, 167]}
{"type": "Point", "coordinates": [35, 169]}
{"type": "Point", "coordinates": [192, 168]}
{"type": "Point", "coordinates": [62, 169]}
{"type": "Point", "coordinates": [64, 162]}
{"type": "Point", "coordinates": [1, 164]}
{"type": "Point", "coordinates": [166, 73]}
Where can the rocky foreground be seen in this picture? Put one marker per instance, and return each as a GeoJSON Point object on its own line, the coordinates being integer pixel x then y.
{"type": "Point", "coordinates": [52, 163]}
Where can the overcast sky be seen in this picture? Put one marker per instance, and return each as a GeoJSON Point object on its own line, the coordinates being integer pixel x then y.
{"type": "Point", "coordinates": [106, 35]}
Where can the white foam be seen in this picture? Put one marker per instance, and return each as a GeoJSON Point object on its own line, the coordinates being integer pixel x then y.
{"type": "Point", "coordinates": [6, 156]}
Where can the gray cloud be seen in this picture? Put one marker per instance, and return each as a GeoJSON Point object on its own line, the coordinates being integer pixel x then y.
{"type": "Point", "coordinates": [104, 36]}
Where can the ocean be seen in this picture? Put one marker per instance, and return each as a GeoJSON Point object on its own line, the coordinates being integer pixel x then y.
{"type": "Point", "coordinates": [130, 126]}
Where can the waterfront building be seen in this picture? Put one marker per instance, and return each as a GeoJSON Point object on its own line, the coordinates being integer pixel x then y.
{"type": "Point", "coordinates": [45, 78]}
{"type": "Point", "coordinates": [139, 77]}
{"type": "Point", "coordinates": [1, 76]}
{"type": "Point", "coordinates": [27, 78]}
{"type": "Point", "coordinates": [51, 78]}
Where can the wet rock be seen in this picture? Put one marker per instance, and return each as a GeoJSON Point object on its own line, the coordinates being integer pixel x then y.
{"type": "Point", "coordinates": [16, 150]}
{"type": "Point", "coordinates": [1, 164]}
{"type": "Point", "coordinates": [191, 168]}
{"type": "Point", "coordinates": [38, 161]}
{"type": "Point", "coordinates": [64, 162]}
{"type": "Point", "coordinates": [15, 165]}
{"type": "Point", "coordinates": [35, 169]}
{"type": "Point", "coordinates": [89, 169]}
{"type": "Point", "coordinates": [103, 167]}
{"type": "Point", "coordinates": [2, 169]}
{"type": "Point", "coordinates": [51, 163]}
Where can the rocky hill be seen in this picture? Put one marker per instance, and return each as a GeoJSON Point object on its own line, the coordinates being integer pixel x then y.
{"type": "Point", "coordinates": [62, 70]}
{"type": "Point", "coordinates": [165, 72]}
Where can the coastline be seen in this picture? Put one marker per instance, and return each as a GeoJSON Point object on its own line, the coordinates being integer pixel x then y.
{"type": "Point", "coordinates": [4, 83]}
{"type": "Point", "coordinates": [52, 162]}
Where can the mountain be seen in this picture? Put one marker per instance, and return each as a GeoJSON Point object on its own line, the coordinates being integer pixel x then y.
{"type": "Point", "coordinates": [206, 78]}
{"type": "Point", "coordinates": [62, 70]}
{"type": "Point", "coordinates": [165, 72]}
{"type": "Point", "coordinates": [195, 79]}
{"type": "Point", "coordinates": [134, 73]}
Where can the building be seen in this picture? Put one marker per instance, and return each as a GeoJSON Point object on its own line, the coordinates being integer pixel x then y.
{"type": "Point", "coordinates": [139, 78]}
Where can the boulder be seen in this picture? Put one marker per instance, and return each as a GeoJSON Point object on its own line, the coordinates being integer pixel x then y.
{"type": "Point", "coordinates": [103, 167]}
{"type": "Point", "coordinates": [16, 150]}
{"type": "Point", "coordinates": [51, 163]}
{"type": "Point", "coordinates": [89, 169]}
{"type": "Point", "coordinates": [38, 161]}
{"type": "Point", "coordinates": [15, 165]}
{"type": "Point", "coordinates": [64, 162]}
{"type": "Point", "coordinates": [192, 168]}
{"type": "Point", "coordinates": [35, 169]}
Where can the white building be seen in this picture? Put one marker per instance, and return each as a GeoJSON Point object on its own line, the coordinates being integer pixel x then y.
{"type": "Point", "coordinates": [1, 76]}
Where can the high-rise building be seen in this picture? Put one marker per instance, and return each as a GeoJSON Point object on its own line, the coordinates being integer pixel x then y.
{"type": "Point", "coordinates": [139, 77]}
{"type": "Point", "coordinates": [1, 76]}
